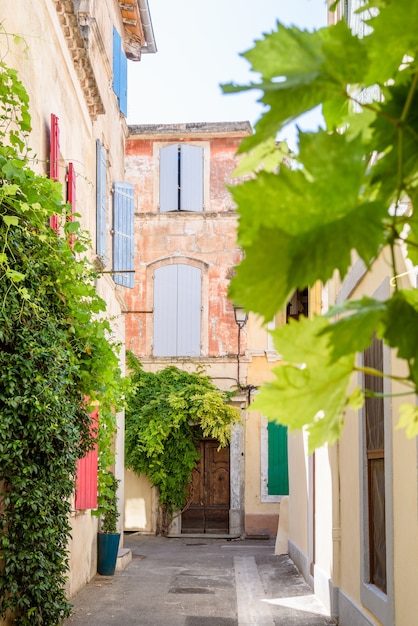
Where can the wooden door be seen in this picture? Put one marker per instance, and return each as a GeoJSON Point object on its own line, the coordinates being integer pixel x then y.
{"type": "Point", "coordinates": [209, 508]}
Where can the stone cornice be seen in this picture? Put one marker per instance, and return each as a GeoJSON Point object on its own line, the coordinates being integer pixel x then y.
{"type": "Point", "coordinates": [78, 46]}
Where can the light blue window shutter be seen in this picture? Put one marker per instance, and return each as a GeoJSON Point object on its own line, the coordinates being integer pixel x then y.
{"type": "Point", "coordinates": [123, 234]}
{"type": "Point", "coordinates": [100, 202]}
{"type": "Point", "coordinates": [189, 285]}
{"type": "Point", "coordinates": [120, 73]}
{"type": "Point", "coordinates": [165, 311]}
{"type": "Point", "coordinates": [177, 310]}
{"type": "Point", "coordinates": [278, 473]}
{"type": "Point", "coordinates": [169, 178]}
{"type": "Point", "coordinates": [191, 178]}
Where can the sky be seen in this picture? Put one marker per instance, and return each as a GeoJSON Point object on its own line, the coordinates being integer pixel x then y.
{"type": "Point", "coordinates": [198, 47]}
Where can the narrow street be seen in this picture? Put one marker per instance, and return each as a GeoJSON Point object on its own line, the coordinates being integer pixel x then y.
{"type": "Point", "coordinates": [200, 582]}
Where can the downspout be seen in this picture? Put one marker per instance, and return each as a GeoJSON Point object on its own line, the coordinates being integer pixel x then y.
{"type": "Point", "coordinates": [336, 528]}
{"type": "Point", "coordinates": [144, 12]}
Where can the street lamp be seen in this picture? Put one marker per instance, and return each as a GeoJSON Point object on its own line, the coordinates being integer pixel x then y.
{"type": "Point", "coordinates": [241, 316]}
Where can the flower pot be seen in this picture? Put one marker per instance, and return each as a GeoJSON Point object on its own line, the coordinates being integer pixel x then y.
{"type": "Point", "coordinates": [107, 553]}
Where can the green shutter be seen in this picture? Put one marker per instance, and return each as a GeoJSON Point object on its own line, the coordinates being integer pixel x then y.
{"type": "Point", "coordinates": [278, 472]}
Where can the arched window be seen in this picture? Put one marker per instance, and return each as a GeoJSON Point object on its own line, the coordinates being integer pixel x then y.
{"type": "Point", "coordinates": [177, 310]}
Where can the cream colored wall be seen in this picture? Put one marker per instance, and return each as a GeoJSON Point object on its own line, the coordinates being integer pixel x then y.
{"type": "Point", "coordinates": [47, 71]}
{"type": "Point", "coordinates": [140, 503]}
{"type": "Point", "coordinates": [267, 512]}
{"type": "Point", "coordinates": [405, 495]}
{"type": "Point", "coordinates": [298, 491]}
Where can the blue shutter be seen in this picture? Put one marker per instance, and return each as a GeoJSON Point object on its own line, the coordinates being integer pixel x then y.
{"type": "Point", "coordinates": [123, 234]}
{"type": "Point", "coordinates": [177, 310]}
{"type": "Point", "coordinates": [123, 86]}
{"type": "Point", "coordinates": [278, 473]}
{"type": "Point", "coordinates": [165, 311]}
{"type": "Point", "coordinates": [169, 178]}
{"type": "Point", "coordinates": [100, 202]}
{"type": "Point", "coordinates": [189, 285]}
{"type": "Point", "coordinates": [191, 178]}
{"type": "Point", "coordinates": [120, 73]}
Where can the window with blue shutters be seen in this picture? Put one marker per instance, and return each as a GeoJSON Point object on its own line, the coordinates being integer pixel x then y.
{"type": "Point", "coordinates": [177, 310]}
{"type": "Point", "coordinates": [181, 178]}
{"type": "Point", "coordinates": [123, 234]}
{"type": "Point", "coordinates": [120, 73]}
{"type": "Point", "coordinates": [101, 198]}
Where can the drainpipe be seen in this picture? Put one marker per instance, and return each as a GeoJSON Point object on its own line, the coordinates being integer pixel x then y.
{"type": "Point", "coordinates": [144, 12]}
{"type": "Point", "coordinates": [336, 528]}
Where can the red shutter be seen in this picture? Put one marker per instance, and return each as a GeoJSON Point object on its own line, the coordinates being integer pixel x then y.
{"type": "Point", "coordinates": [71, 197]}
{"type": "Point", "coordinates": [54, 150]}
{"type": "Point", "coordinates": [86, 479]}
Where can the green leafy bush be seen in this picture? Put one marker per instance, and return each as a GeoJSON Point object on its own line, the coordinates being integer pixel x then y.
{"type": "Point", "coordinates": [167, 413]}
{"type": "Point", "coordinates": [55, 351]}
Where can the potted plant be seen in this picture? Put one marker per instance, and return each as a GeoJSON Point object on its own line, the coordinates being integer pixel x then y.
{"type": "Point", "coordinates": [108, 537]}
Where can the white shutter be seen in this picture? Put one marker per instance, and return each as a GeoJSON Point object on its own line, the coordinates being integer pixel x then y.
{"type": "Point", "coordinates": [169, 178]}
{"type": "Point", "coordinates": [191, 178]}
{"type": "Point", "coordinates": [177, 310]}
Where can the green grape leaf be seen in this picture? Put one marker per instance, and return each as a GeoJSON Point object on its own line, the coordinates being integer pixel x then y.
{"type": "Point", "coordinates": [354, 332]}
{"type": "Point", "coordinates": [394, 36]}
{"type": "Point", "coordinates": [297, 227]}
{"type": "Point", "coordinates": [308, 389]}
{"type": "Point", "coordinates": [267, 156]}
{"type": "Point", "coordinates": [301, 70]}
{"type": "Point", "coordinates": [408, 419]}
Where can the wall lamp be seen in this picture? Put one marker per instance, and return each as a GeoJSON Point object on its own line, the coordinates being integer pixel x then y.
{"type": "Point", "coordinates": [241, 316]}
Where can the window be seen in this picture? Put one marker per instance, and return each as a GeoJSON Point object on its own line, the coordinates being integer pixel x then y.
{"type": "Point", "coordinates": [376, 506]}
{"type": "Point", "coordinates": [375, 454]}
{"type": "Point", "coordinates": [120, 73]}
{"type": "Point", "coordinates": [181, 178]}
{"type": "Point", "coordinates": [86, 478]}
{"type": "Point", "coordinates": [177, 310]}
{"type": "Point", "coordinates": [123, 234]}
{"type": "Point", "coordinates": [101, 202]}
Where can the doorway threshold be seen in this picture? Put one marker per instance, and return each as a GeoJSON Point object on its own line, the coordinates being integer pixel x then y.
{"type": "Point", "coordinates": [203, 536]}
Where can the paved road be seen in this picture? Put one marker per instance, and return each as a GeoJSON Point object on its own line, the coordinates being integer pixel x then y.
{"type": "Point", "coordinates": [200, 582]}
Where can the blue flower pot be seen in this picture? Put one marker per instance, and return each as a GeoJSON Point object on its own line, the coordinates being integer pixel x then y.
{"type": "Point", "coordinates": [107, 553]}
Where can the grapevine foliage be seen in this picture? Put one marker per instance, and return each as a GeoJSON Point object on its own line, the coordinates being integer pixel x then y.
{"type": "Point", "coordinates": [350, 191]}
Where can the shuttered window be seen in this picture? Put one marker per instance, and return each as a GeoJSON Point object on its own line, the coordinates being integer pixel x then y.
{"type": "Point", "coordinates": [54, 151]}
{"type": "Point", "coordinates": [120, 73]}
{"type": "Point", "coordinates": [375, 454]}
{"type": "Point", "coordinates": [278, 473]}
{"type": "Point", "coordinates": [123, 234]}
{"type": "Point", "coordinates": [86, 479]}
{"type": "Point", "coordinates": [177, 310]}
{"type": "Point", "coordinates": [100, 202]}
{"type": "Point", "coordinates": [181, 178]}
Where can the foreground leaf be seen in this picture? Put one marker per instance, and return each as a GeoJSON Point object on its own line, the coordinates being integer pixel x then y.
{"type": "Point", "coordinates": [309, 389]}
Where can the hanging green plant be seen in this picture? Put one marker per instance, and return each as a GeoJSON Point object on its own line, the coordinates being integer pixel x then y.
{"type": "Point", "coordinates": [55, 351]}
{"type": "Point", "coordinates": [167, 413]}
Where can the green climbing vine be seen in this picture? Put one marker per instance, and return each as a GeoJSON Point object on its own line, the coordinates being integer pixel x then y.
{"type": "Point", "coordinates": [167, 413]}
{"type": "Point", "coordinates": [55, 351]}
